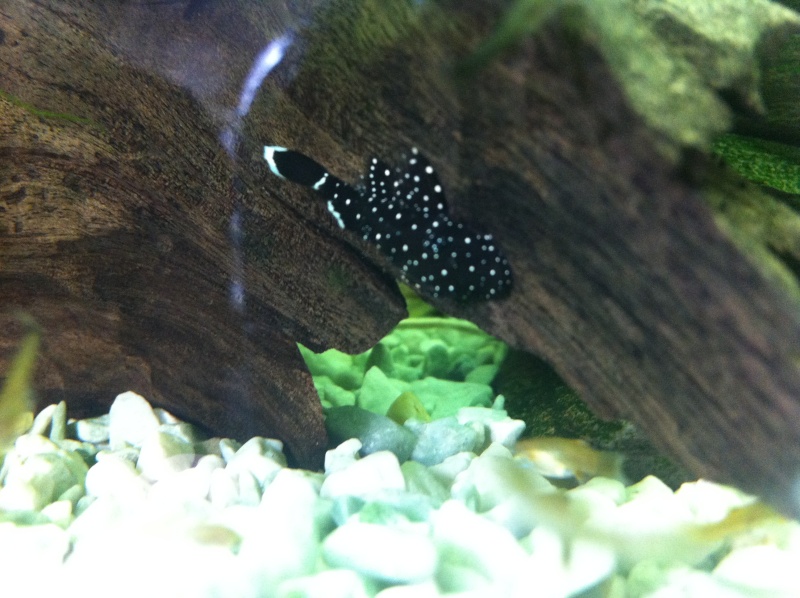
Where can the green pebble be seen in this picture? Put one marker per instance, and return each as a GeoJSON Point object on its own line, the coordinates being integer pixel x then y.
{"type": "Point", "coordinates": [406, 406]}
{"type": "Point", "coordinates": [443, 398]}
{"type": "Point", "coordinates": [379, 391]}
{"type": "Point", "coordinates": [376, 432]}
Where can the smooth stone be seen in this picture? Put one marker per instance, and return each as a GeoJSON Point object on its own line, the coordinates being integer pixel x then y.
{"type": "Point", "coordinates": [560, 567]}
{"type": "Point", "coordinates": [262, 468]}
{"type": "Point", "coordinates": [52, 418]}
{"type": "Point", "coordinates": [447, 471]}
{"type": "Point", "coordinates": [376, 432]}
{"type": "Point", "coordinates": [331, 395]}
{"type": "Point", "coordinates": [43, 420]}
{"type": "Point", "coordinates": [116, 478]}
{"type": "Point", "coordinates": [130, 420]}
{"type": "Point", "coordinates": [34, 444]}
{"type": "Point", "coordinates": [422, 482]}
{"type": "Point", "coordinates": [129, 454]}
{"type": "Point", "coordinates": [292, 491]}
{"type": "Point", "coordinates": [337, 366]}
{"type": "Point", "coordinates": [260, 457]}
{"type": "Point", "coordinates": [227, 448]}
{"type": "Point", "coordinates": [165, 417]}
{"type": "Point", "coordinates": [462, 536]}
{"type": "Point", "coordinates": [94, 430]}
{"type": "Point", "coordinates": [504, 488]}
{"type": "Point", "coordinates": [378, 391]}
{"type": "Point", "coordinates": [21, 497]}
{"type": "Point", "coordinates": [501, 428]}
{"type": "Point", "coordinates": [394, 506]}
{"type": "Point", "coordinates": [443, 398]}
{"type": "Point", "coordinates": [342, 456]}
{"type": "Point", "coordinates": [274, 444]}
{"type": "Point", "coordinates": [163, 455]}
{"type": "Point", "coordinates": [483, 374]}
{"type": "Point", "coordinates": [614, 490]}
{"type": "Point", "coordinates": [437, 358]}
{"type": "Point", "coordinates": [182, 431]}
{"type": "Point", "coordinates": [333, 583]}
{"type": "Point", "coordinates": [58, 427]}
{"type": "Point", "coordinates": [48, 475]}
{"type": "Point", "coordinates": [223, 490]}
{"type": "Point", "coordinates": [765, 568]}
{"type": "Point", "coordinates": [46, 545]}
{"type": "Point", "coordinates": [344, 507]}
{"type": "Point", "coordinates": [74, 493]}
{"type": "Point", "coordinates": [375, 472]}
{"type": "Point", "coordinates": [59, 512]}
{"type": "Point", "coordinates": [282, 538]}
{"type": "Point", "coordinates": [427, 589]}
{"type": "Point", "coordinates": [249, 491]}
{"type": "Point", "coordinates": [443, 438]}
{"type": "Point", "coordinates": [506, 432]}
{"type": "Point", "coordinates": [380, 552]}
{"type": "Point", "coordinates": [185, 486]}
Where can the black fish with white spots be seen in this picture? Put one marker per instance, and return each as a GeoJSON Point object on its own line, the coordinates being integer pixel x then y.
{"type": "Point", "coordinates": [403, 212]}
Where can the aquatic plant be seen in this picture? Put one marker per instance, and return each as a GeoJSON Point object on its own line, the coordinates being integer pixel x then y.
{"type": "Point", "coordinates": [16, 395]}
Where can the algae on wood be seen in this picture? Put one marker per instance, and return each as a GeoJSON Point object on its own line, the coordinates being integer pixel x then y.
{"type": "Point", "coordinates": [584, 163]}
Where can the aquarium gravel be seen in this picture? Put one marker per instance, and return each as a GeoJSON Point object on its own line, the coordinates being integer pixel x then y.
{"type": "Point", "coordinates": [136, 503]}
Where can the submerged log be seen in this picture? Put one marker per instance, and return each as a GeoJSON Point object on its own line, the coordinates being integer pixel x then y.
{"type": "Point", "coordinates": [117, 219]}
{"type": "Point", "coordinates": [118, 208]}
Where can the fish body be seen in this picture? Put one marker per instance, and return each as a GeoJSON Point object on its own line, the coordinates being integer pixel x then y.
{"type": "Point", "coordinates": [566, 457]}
{"type": "Point", "coordinates": [403, 212]}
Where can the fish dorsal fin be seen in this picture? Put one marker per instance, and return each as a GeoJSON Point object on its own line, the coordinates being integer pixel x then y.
{"type": "Point", "coordinates": [380, 181]}
{"type": "Point", "coordinates": [418, 185]}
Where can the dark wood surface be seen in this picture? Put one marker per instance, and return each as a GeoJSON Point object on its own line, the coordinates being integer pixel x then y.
{"type": "Point", "coordinates": [115, 229]}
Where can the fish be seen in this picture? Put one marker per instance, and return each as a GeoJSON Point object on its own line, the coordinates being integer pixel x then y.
{"type": "Point", "coordinates": [16, 395]}
{"type": "Point", "coordinates": [563, 458]}
{"type": "Point", "coordinates": [739, 520]}
{"type": "Point", "coordinates": [403, 212]}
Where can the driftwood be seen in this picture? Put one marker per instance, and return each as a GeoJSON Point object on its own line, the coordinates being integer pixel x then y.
{"type": "Point", "coordinates": [116, 228]}
{"type": "Point", "coordinates": [116, 218]}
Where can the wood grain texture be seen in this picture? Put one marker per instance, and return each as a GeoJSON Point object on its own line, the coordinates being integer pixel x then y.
{"type": "Point", "coordinates": [115, 231]}
{"type": "Point", "coordinates": [116, 210]}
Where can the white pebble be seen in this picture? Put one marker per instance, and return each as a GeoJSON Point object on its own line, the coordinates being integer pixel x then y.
{"type": "Point", "coordinates": [59, 512]}
{"type": "Point", "coordinates": [506, 432]}
{"type": "Point", "coordinates": [384, 553]}
{"type": "Point", "coordinates": [223, 490]}
{"type": "Point", "coordinates": [558, 568]}
{"type": "Point", "coordinates": [427, 589]}
{"type": "Point", "coordinates": [163, 455]}
{"type": "Point", "coordinates": [465, 537]}
{"type": "Point", "coordinates": [131, 420]}
{"type": "Point", "coordinates": [21, 547]}
{"type": "Point", "coordinates": [115, 477]}
{"type": "Point", "coordinates": [185, 486]}
{"type": "Point", "coordinates": [249, 492]}
{"type": "Point", "coordinates": [375, 472]}
{"type": "Point", "coordinates": [262, 467]}
{"type": "Point", "coordinates": [228, 448]}
{"type": "Point", "coordinates": [94, 430]}
{"type": "Point", "coordinates": [281, 537]}
{"type": "Point", "coordinates": [333, 583]}
{"type": "Point", "coordinates": [21, 497]}
{"type": "Point", "coordinates": [342, 456]}
{"type": "Point", "coordinates": [447, 470]}
{"type": "Point", "coordinates": [766, 569]}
